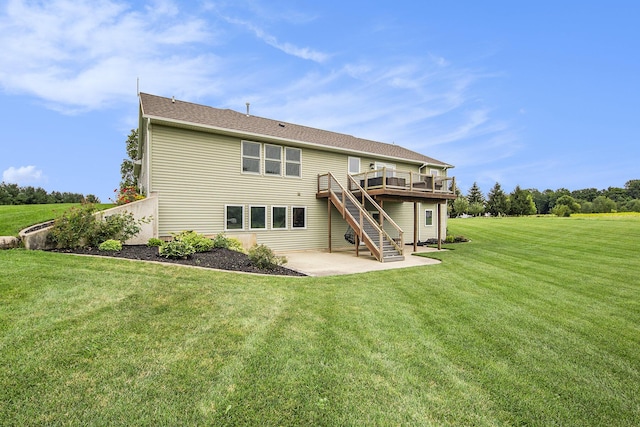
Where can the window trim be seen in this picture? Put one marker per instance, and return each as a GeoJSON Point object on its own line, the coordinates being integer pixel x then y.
{"type": "Point", "coordinates": [292, 162]}
{"type": "Point", "coordinates": [259, 158]}
{"type": "Point", "coordinates": [226, 218]}
{"type": "Point", "coordinates": [265, 160]}
{"type": "Point", "coordinates": [425, 217]}
{"type": "Point", "coordinates": [286, 217]}
{"type": "Point", "coordinates": [264, 209]}
{"type": "Point", "coordinates": [293, 227]}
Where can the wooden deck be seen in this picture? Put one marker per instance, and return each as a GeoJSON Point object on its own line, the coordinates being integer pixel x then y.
{"type": "Point", "coordinates": [397, 185]}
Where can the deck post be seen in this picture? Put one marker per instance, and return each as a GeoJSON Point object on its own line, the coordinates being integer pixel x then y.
{"type": "Point", "coordinates": [415, 226]}
{"type": "Point", "coordinates": [439, 226]}
{"type": "Point", "coordinates": [329, 220]}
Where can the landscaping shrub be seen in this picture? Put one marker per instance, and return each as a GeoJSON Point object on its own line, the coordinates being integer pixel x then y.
{"type": "Point", "coordinates": [199, 242]}
{"type": "Point", "coordinates": [78, 227]}
{"type": "Point", "coordinates": [154, 242]}
{"type": "Point", "coordinates": [231, 243]}
{"type": "Point", "coordinates": [111, 245]}
{"type": "Point", "coordinates": [263, 257]}
{"type": "Point", "coordinates": [72, 228]}
{"type": "Point", "coordinates": [176, 249]}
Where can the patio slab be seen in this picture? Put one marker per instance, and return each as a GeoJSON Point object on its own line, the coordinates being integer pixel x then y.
{"type": "Point", "coordinates": [321, 263]}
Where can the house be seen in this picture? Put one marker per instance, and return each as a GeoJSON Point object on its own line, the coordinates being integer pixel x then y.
{"type": "Point", "coordinates": [287, 186]}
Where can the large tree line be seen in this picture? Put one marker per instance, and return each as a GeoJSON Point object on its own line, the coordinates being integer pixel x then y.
{"type": "Point", "coordinates": [12, 194]}
{"type": "Point", "coordinates": [561, 202]}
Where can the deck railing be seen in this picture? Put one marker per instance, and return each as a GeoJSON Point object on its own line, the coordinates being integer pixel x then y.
{"type": "Point", "coordinates": [395, 179]}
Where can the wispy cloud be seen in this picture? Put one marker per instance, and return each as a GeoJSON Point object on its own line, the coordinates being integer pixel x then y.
{"type": "Point", "coordinates": [22, 175]}
{"type": "Point", "coordinates": [286, 47]}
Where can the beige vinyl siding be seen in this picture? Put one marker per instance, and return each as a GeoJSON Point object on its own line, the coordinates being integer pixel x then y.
{"type": "Point", "coordinates": [196, 174]}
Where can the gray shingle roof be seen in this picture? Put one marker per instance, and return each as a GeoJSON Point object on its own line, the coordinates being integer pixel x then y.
{"type": "Point", "coordinates": [179, 111]}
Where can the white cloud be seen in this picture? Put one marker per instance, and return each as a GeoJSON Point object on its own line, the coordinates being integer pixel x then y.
{"type": "Point", "coordinates": [83, 55]}
{"type": "Point", "coordinates": [22, 175]}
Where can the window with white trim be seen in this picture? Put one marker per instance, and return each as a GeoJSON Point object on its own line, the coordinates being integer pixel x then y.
{"type": "Point", "coordinates": [272, 159]}
{"type": "Point", "coordinates": [434, 172]}
{"type": "Point", "coordinates": [250, 157]}
{"type": "Point", "coordinates": [428, 217]}
{"type": "Point", "coordinates": [278, 217]}
{"type": "Point", "coordinates": [293, 162]}
{"type": "Point", "coordinates": [234, 217]}
{"type": "Point", "coordinates": [257, 217]}
{"type": "Point", "coordinates": [354, 165]}
{"type": "Point", "coordinates": [298, 217]}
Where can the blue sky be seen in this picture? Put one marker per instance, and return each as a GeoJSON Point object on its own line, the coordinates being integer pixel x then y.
{"type": "Point", "coordinates": [541, 94]}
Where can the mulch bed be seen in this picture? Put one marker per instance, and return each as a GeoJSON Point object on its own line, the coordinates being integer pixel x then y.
{"type": "Point", "coordinates": [222, 259]}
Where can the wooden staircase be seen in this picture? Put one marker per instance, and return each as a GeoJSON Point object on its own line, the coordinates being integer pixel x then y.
{"type": "Point", "coordinates": [367, 230]}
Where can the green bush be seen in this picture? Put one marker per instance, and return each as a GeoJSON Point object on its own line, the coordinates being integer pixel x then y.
{"type": "Point", "coordinates": [221, 241]}
{"type": "Point", "coordinates": [561, 210]}
{"type": "Point", "coordinates": [111, 245]}
{"type": "Point", "coordinates": [231, 243]}
{"type": "Point", "coordinates": [74, 227]}
{"type": "Point", "coordinates": [176, 249]}
{"type": "Point", "coordinates": [154, 242]}
{"type": "Point", "coordinates": [78, 227]}
{"type": "Point", "coordinates": [263, 257]}
{"type": "Point", "coordinates": [199, 242]}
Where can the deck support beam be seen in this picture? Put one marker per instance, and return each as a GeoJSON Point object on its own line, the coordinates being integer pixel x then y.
{"type": "Point", "coordinates": [415, 226]}
{"type": "Point", "coordinates": [439, 213]}
{"type": "Point", "coordinates": [329, 221]}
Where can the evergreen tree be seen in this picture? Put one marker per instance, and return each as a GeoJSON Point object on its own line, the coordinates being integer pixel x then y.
{"type": "Point", "coordinates": [475, 195]}
{"type": "Point", "coordinates": [521, 202]}
{"type": "Point", "coordinates": [497, 203]}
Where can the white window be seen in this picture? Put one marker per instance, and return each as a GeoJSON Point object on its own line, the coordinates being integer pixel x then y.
{"type": "Point", "coordinates": [250, 157]}
{"type": "Point", "coordinates": [428, 217]}
{"type": "Point", "coordinates": [298, 217]}
{"type": "Point", "coordinates": [272, 160]}
{"type": "Point", "coordinates": [234, 217]}
{"type": "Point", "coordinates": [279, 217]}
{"type": "Point", "coordinates": [354, 165]}
{"type": "Point", "coordinates": [434, 172]}
{"type": "Point", "coordinates": [257, 217]}
{"type": "Point", "coordinates": [293, 161]}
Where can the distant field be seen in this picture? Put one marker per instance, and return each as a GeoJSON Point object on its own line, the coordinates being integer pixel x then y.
{"type": "Point", "coordinates": [14, 218]}
{"type": "Point", "coordinates": [535, 321]}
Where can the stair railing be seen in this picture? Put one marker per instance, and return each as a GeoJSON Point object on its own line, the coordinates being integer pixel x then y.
{"type": "Point", "coordinates": [334, 187]}
{"type": "Point", "coordinates": [354, 185]}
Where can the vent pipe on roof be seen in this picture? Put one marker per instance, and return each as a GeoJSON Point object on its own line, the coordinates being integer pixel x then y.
{"type": "Point", "coordinates": [173, 99]}
{"type": "Point", "coordinates": [248, 109]}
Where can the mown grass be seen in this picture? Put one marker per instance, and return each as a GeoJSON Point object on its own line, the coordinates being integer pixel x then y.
{"type": "Point", "coordinates": [536, 321]}
{"type": "Point", "coordinates": [14, 218]}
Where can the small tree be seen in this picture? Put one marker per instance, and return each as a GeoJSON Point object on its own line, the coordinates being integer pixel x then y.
{"type": "Point", "coordinates": [460, 206]}
{"type": "Point", "coordinates": [126, 169]}
{"type": "Point", "coordinates": [604, 204]}
{"type": "Point", "coordinates": [565, 206]}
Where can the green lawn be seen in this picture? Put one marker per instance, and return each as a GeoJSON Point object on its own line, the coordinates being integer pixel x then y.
{"type": "Point", "coordinates": [536, 321]}
{"type": "Point", "coordinates": [14, 218]}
